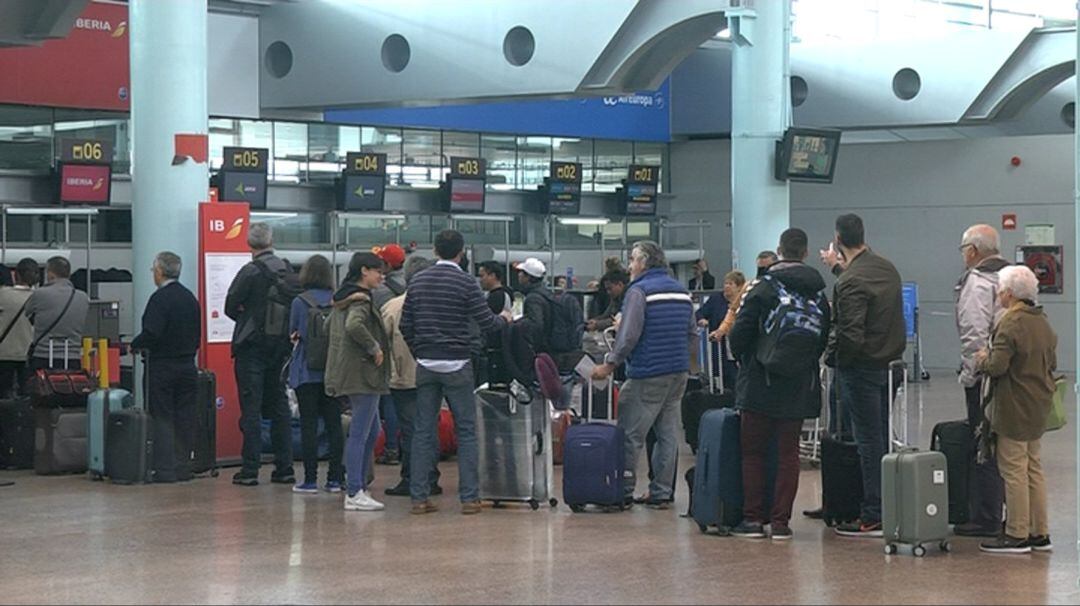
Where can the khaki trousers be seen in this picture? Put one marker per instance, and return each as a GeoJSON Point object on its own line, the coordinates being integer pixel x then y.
{"type": "Point", "coordinates": [1025, 487]}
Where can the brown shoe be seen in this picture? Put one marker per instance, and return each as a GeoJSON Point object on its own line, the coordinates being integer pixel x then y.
{"type": "Point", "coordinates": [470, 508]}
{"type": "Point", "coordinates": [424, 507]}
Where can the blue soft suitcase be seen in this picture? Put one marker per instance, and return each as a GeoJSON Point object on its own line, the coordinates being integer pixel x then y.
{"type": "Point", "coordinates": [717, 497]}
{"type": "Point", "coordinates": [593, 466]}
{"type": "Point", "coordinates": [99, 405]}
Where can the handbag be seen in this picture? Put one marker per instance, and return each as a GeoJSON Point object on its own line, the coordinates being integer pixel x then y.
{"type": "Point", "coordinates": [1057, 419]}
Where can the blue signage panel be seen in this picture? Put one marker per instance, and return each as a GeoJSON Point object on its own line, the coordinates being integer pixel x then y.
{"type": "Point", "coordinates": [641, 116]}
{"type": "Point", "coordinates": [911, 303]}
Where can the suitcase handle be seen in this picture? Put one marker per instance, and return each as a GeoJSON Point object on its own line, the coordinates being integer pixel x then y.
{"type": "Point", "coordinates": [898, 442]}
{"type": "Point", "coordinates": [611, 400]}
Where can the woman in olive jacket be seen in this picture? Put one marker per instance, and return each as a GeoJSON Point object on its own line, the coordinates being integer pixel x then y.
{"type": "Point", "coordinates": [1020, 364]}
{"type": "Point", "coordinates": [357, 371]}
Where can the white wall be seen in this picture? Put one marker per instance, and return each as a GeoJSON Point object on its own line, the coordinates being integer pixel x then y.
{"type": "Point", "coordinates": [233, 65]}
{"type": "Point", "coordinates": [916, 199]}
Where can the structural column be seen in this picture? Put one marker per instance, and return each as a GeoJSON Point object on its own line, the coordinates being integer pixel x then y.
{"type": "Point", "coordinates": [168, 97]}
{"type": "Point", "coordinates": [760, 112]}
{"type": "Point", "coordinates": [1076, 277]}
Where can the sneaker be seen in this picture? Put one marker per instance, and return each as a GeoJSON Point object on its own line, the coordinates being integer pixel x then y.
{"type": "Point", "coordinates": [860, 529]}
{"type": "Point", "coordinates": [780, 533]}
{"type": "Point", "coordinates": [471, 508]}
{"type": "Point", "coordinates": [1006, 544]}
{"type": "Point", "coordinates": [362, 501]}
{"type": "Point", "coordinates": [748, 530]}
{"type": "Point", "coordinates": [423, 507]}
{"type": "Point", "coordinates": [306, 488]}
{"type": "Point", "coordinates": [245, 479]}
{"type": "Point", "coordinates": [658, 504]}
{"type": "Point", "coordinates": [401, 490]}
{"type": "Point", "coordinates": [970, 529]}
{"type": "Point", "coordinates": [284, 478]}
{"type": "Point", "coordinates": [1040, 543]}
{"type": "Point", "coordinates": [332, 486]}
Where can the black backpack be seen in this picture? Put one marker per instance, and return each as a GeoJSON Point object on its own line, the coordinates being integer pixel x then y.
{"type": "Point", "coordinates": [280, 292]}
{"type": "Point", "coordinates": [566, 323]}
{"type": "Point", "coordinates": [511, 356]}
{"type": "Point", "coordinates": [791, 333]}
{"type": "Point", "coordinates": [317, 341]}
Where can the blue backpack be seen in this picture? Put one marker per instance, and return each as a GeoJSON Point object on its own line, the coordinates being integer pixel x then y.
{"type": "Point", "coordinates": [791, 334]}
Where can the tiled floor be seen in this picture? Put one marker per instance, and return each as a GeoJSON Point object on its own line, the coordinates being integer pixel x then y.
{"type": "Point", "coordinates": [68, 540]}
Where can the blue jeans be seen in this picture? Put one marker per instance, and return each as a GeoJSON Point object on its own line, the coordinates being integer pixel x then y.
{"type": "Point", "coordinates": [652, 403]}
{"type": "Point", "coordinates": [457, 388]}
{"type": "Point", "coordinates": [361, 444]}
{"type": "Point", "coordinates": [388, 412]}
{"type": "Point", "coordinates": [864, 394]}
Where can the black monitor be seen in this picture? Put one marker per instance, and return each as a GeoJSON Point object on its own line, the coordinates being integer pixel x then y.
{"type": "Point", "coordinates": [808, 155]}
{"type": "Point", "coordinates": [361, 192]}
{"type": "Point", "coordinates": [466, 195]}
{"type": "Point", "coordinates": [234, 186]}
{"type": "Point", "coordinates": [638, 194]}
{"type": "Point", "coordinates": [85, 183]}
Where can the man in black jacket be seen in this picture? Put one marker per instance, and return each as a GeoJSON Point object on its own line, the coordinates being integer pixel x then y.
{"type": "Point", "coordinates": [258, 359]}
{"type": "Point", "coordinates": [538, 302]}
{"type": "Point", "coordinates": [868, 332]}
{"type": "Point", "coordinates": [775, 402]}
{"type": "Point", "coordinates": [171, 330]}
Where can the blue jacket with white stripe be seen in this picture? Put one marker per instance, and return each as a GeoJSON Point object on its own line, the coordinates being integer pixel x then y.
{"type": "Point", "coordinates": [656, 327]}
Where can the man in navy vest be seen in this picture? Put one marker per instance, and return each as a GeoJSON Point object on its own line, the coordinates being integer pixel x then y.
{"type": "Point", "coordinates": [654, 340]}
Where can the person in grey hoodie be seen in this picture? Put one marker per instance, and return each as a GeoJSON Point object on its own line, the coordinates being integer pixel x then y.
{"type": "Point", "coordinates": [977, 312]}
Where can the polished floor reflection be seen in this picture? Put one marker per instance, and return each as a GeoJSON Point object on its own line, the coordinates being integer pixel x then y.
{"type": "Point", "coordinates": [68, 540]}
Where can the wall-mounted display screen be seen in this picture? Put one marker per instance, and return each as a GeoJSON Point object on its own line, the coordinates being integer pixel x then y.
{"type": "Point", "coordinates": [466, 195]}
{"type": "Point", "coordinates": [640, 199]}
{"type": "Point", "coordinates": [85, 183]}
{"type": "Point", "coordinates": [362, 192]}
{"type": "Point", "coordinates": [247, 187]}
{"type": "Point", "coordinates": [245, 159]}
{"type": "Point", "coordinates": [807, 155]}
{"type": "Point", "coordinates": [564, 189]}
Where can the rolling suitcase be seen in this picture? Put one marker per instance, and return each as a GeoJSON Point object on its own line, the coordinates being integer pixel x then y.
{"type": "Point", "coordinates": [514, 442]}
{"type": "Point", "coordinates": [593, 464]}
{"type": "Point", "coordinates": [99, 405]}
{"type": "Point", "coordinates": [128, 447]}
{"type": "Point", "coordinates": [711, 396]}
{"type": "Point", "coordinates": [953, 439]}
{"type": "Point", "coordinates": [914, 489]}
{"type": "Point", "coordinates": [204, 438]}
{"type": "Point", "coordinates": [60, 441]}
{"type": "Point", "coordinates": [53, 388]}
{"type": "Point", "coordinates": [841, 470]}
{"type": "Point", "coordinates": [16, 434]}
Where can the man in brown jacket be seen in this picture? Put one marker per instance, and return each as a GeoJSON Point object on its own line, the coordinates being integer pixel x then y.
{"type": "Point", "coordinates": [1021, 364]}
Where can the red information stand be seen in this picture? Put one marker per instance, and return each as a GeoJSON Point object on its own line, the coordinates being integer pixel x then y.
{"type": "Point", "coordinates": [223, 250]}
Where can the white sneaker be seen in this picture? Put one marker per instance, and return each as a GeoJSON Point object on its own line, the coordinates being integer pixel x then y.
{"type": "Point", "coordinates": [362, 502]}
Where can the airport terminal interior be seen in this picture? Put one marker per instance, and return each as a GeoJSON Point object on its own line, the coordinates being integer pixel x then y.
{"type": "Point", "coordinates": [567, 143]}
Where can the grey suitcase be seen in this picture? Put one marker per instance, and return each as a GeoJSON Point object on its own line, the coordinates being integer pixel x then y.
{"type": "Point", "coordinates": [60, 441]}
{"type": "Point", "coordinates": [914, 490]}
{"type": "Point", "coordinates": [515, 449]}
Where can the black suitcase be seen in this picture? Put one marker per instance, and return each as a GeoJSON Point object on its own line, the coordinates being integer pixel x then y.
{"type": "Point", "coordinates": [709, 395]}
{"type": "Point", "coordinates": [128, 447]}
{"type": "Point", "coordinates": [204, 440]}
{"type": "Point", "coordinates": [954, 440]}
{"type": "Point", "coordinates": [16, 434]}
{"type": "Point", "coordinates": [841, 481]}
{"type": "Point", "coordinates": [60, 440]}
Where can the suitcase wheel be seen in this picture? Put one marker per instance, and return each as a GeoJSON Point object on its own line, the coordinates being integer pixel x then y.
{"type": "Point", "coordinates": [553, 502]}
{"type": "Point", "coordinates": [890, 549]}
{"type": "Point", "coordinates": [534, 504]}
{"type": "Point", "coordinates": [945, 546]}
{"type": "Point", "coordinates": [703, 528]}
{"type": "Point", "coordinates": [919, 551]}
{"type": "Point", "coordinates": [577, 508]}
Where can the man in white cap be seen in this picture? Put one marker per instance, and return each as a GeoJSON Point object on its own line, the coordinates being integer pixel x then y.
{"type": "Point", "coordinates": [537, 302]}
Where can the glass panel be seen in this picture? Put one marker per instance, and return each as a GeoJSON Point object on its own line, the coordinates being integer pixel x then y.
{"type": "Point", "coordinates": [455, 144]}
{"type": "Point", "coordinates": [103, 126]}
{"type": "Point", "coordinates": [112, 225]}
{"type": "Point", "coordinates": [362, 234]}
{"type": "Point", "coordinates": [26, 137]}
{"type": "Point", "coordinates": [489, 232]}
{"type": "Point", "coordinates": [295, 229]}
{"type": "Point", "coordinates": [500, 152]}
{"type": "Point", "coordinates": [237, 133]}
{"type": "Point", "coordinates": [290, 159]}
{"type": "Point", "coordinates": [575, 150]}
{"type": "Point", "coordinates": [578, 236]}
{"type": "Point", "coordinates": [613, 160]}
{"type": "Point", "coordinates": [327, 146]}
{"type": "Point", "coordinates": [533, 161]}
{"type": "Point", "coordinates": [386, 141]}
{"type": "Point", "coordinates": [423, 161]}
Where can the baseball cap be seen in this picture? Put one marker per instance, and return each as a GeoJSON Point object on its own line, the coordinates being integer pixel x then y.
{"type": "Point", "coordinates": [392, 254]}
{"type": "Point", "coordinates": [533, 267]}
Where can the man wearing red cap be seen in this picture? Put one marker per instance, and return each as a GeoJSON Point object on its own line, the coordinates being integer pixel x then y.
{"type": "Point", "coordinates": [394, 283]}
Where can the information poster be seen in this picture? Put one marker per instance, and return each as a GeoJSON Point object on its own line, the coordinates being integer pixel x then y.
{"type": "Point", "coordinates": [221, 268]}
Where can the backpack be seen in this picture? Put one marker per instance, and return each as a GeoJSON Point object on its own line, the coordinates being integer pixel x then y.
{"type": "Point", "coordinates": [791, 333]}
{"type": "Point", "coordinates": [280, 293]}
{"type": "Point", "coordinates": [566, 323]}
{"type": "Point", "coordinates": [317, 341]}
{"type": "Point", "coordinates": [511, 356]}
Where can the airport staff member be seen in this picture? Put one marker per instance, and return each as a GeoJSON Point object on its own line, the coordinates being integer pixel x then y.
{"type": "Point", "coordinates": [171, 327]}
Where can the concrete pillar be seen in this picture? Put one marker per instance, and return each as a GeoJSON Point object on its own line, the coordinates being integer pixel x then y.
{"type": "Point", "coordinates": [760, 112]}
{"type": "Point", "coordinates": [1076, 281]}
{"type": "Point", "coordinates": [168, 96]}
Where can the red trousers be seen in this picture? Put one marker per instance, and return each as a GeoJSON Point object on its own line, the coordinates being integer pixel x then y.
{"type": "Point", "coordinates": [758, 432]}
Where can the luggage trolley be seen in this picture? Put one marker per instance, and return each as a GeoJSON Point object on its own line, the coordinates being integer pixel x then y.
{"type": "Point", "coordinates": [810, 436]}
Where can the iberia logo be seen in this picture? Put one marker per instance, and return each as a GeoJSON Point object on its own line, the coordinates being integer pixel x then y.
{"type": "Point", "coordinates": [234, 231]}
{"type": "Point", "coordinates": [99, 183]}
{"type": "Point", "coordinates": [120, 29]}
{"type": "Point", "coordinates": [101, 25]}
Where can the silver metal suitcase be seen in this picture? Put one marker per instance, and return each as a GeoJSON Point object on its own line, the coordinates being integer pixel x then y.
{"type": "Point", "coordinates": [914, 489]}
{"type": "Point", "coordinates": [515, 449]}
